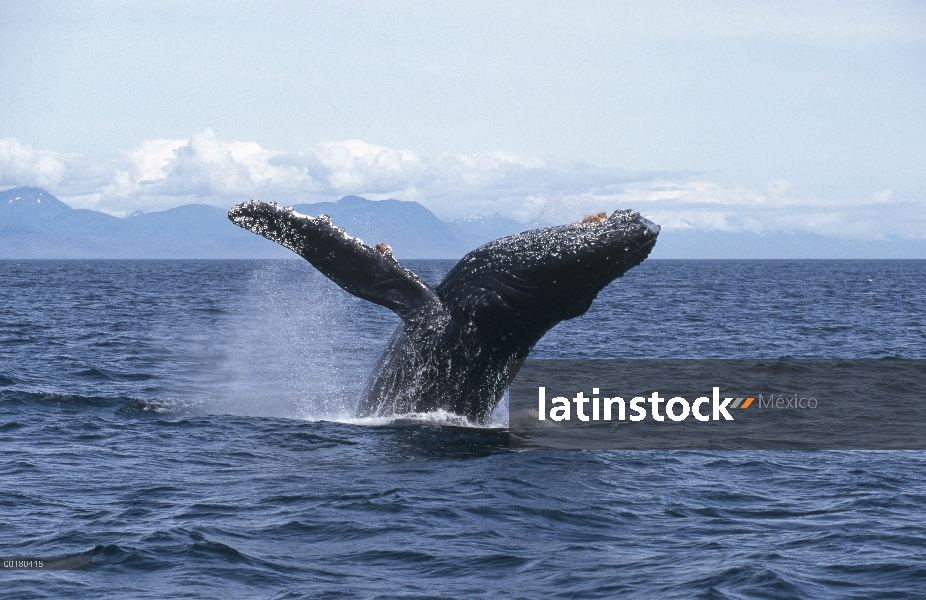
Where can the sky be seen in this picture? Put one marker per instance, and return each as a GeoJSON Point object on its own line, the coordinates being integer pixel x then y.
{"type": "Point", "coordinates": [736, 116]}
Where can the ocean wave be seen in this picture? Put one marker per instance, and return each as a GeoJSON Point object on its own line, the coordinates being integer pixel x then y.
{"type": "Point", "coordinates": [123, 405]}
{"type": "Point", "coordinates": [14, 397]}
{"type": "Point", "coordinates": [109, 375]}
{"type": "Point", "coordinates": [132, 406]}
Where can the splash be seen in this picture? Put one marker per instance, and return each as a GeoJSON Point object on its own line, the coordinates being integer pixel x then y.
{"type": "Point", "coordinates": [297, 347]}
{"type": "Point", "coordinates": [291, 344]}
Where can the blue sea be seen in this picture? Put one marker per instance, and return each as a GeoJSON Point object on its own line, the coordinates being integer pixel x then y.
{"type": "Point", "coordinates": [189, 425]}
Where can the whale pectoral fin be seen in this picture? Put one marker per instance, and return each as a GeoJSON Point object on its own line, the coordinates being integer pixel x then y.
{"type": "Point", "coordinates": [363, 271]}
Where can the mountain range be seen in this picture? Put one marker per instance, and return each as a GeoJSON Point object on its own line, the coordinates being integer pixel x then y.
{"type": "Point", "coordinates": [35, 224]}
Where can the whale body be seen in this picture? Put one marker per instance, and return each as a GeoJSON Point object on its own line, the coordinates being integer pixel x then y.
{"type": "Point", "coordinates": [459, 343]}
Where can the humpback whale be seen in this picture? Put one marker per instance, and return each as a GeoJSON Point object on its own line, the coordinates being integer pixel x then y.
{"type": "Point", "coordinates": [459, 342]}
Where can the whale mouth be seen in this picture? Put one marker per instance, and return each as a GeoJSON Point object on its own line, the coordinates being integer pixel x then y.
{"type": "Point", "coordinates": [627, 217]}
{"type": "Point", "coordinates": [626, 243]}
{"type": "Point", "coordinates": [651, 227]}
{"type": "Point", "coordinates": [629, 228]}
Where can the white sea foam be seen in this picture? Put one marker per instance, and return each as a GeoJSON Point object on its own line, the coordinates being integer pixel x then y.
{"type": "Point", "coordinates": [498, 418]}
{"type": "Point", "coordinates": [435, 417]}
{"type": "Point", "coordinates": [169, 406]}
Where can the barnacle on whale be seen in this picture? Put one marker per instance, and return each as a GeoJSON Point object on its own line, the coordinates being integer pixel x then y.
{"type": "Point", "coordinates": [594, 219]}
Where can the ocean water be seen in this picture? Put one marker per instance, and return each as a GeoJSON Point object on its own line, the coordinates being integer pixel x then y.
{"type": "Point", "coordinates": [188, 424]}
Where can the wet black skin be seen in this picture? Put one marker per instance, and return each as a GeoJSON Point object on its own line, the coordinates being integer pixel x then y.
{"type": "Point", "coordinates": [457, 340]}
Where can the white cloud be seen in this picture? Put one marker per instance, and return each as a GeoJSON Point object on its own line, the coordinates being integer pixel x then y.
{"type": "Point", "coordinates": [161, 174]}
{"type": "Point", "coordinates": [705, 205]}
{"type": "Point", "coordinates": [24, 165]}
{"type": "Point", "coordinates": [355, 164]}
{"type": "Point", "coordinates": [152, 160]}
{"type": "Point", "coordinates": [20, 163]}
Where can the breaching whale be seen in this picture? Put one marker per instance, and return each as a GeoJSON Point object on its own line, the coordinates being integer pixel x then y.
{"type": "Point", "coordinates": [457, 340]}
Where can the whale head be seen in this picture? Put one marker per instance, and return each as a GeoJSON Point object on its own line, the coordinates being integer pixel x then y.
{"type": "Point", "coordinates": [544, 276]}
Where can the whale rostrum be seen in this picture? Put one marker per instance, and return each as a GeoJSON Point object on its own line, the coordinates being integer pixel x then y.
{"type": "Point", "coordinates": [457, 340]}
